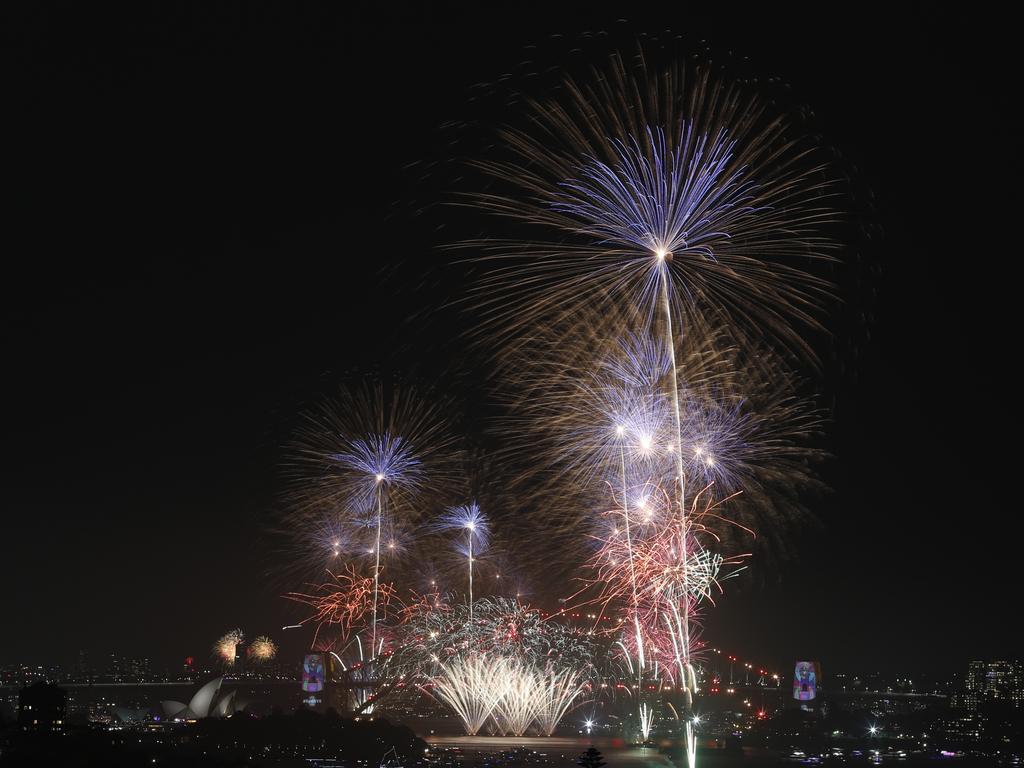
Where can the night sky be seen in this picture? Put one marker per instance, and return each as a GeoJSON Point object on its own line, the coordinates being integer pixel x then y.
{"type": "Point", "coordinates": [205, 210]}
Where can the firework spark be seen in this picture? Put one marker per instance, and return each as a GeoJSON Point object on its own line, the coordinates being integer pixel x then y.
{"type": "Point", "coordinates": [502, 628]}
{"type": "Point", "coordinates": [344, 602]}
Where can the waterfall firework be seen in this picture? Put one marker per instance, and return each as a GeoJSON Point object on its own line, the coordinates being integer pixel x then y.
{"type": "Point", "coordinates": [513, 695]}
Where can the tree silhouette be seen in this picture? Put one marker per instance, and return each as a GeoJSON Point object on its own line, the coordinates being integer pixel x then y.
{"type": "Point", "coordinates": [590, 759]}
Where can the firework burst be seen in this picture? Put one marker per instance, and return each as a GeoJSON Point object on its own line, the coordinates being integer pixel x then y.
{"type": "Point", "coordinates": [344, 603]}
{"type": "Point", "coordinates": [643, 176]}
{"type": "Point", "coordinates": [226, 646]}
{"type": "Point", "coordinates": [262, 649]}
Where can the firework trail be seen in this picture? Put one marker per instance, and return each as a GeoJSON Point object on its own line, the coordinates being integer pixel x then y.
{"type": "Point", "coordinates": [471, 522]}
{"type": "Point", "coordinates": [511, 667]}
{"type": "Point", "coordinates": [518, 705]}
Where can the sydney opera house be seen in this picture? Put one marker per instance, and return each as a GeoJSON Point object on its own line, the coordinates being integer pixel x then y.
{"type": "Point", "coordinates": [207, 702]}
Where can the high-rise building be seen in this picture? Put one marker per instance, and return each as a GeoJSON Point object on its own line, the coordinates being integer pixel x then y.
{"type": "Point", "coordinates": [974, 685]}
{"type": "Point", "coordinates": [994, 680]}
{"type": "Point", "coordinates": [960, 727]}
{"type": "Point", "coordinates": [241, 650]}
{"type": "Point", "coordinates": [115, 668]}
{"type": "Point", "coordinates": [83, 670]}
{"type": "Point", "coordinates": [127, 669]}
{"type": "Point", "coordinates": [999, 680]}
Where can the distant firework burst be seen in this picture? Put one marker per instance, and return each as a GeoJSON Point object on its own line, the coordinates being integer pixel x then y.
{"type": "Point", "coordinates": [226, 647]}
{"type": "Point", "coordinates": [262, 649]}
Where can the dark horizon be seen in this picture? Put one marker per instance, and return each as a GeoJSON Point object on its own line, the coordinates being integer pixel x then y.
{"type": "Point", "coordinates": [205, 207]}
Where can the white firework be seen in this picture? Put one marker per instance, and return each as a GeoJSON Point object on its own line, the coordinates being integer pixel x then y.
{"type": "Point", "coordinates": [512, 694]}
